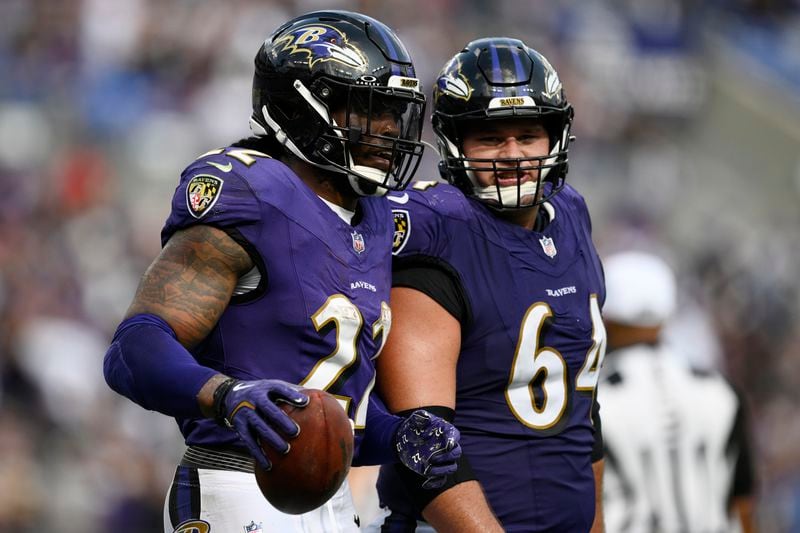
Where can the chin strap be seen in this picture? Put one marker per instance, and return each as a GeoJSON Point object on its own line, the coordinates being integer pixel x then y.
{"type": "Point", "coordinates": [376, 176]}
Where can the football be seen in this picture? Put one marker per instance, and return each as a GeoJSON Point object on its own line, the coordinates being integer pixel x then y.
{"type": "Point", "coordinates": [318, 461]}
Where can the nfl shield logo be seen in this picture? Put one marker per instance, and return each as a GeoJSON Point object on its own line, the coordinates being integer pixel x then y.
{"type": "Point", "coordinates": [358, 242]}
{"type": "Point", "coordinates": [548, 246]}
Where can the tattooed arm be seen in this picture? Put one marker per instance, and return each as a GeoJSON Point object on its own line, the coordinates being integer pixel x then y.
{"type": "Point", "coordinates": [190, 283]}
{"type": "Point", "coordinates": [181, 297]}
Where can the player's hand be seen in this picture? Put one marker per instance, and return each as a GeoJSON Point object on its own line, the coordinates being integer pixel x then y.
{"type": "Point", "coordinates": [428, 445]}
{"type": "Point", "coordinates": [250, 408]}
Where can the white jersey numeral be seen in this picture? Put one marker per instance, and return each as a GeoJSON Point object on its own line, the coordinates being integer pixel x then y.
{"type": "Point", "coordinates": [348, 322]}
{"type": "Point", "coordinates": [544, 369]}
{"type": "Point", "coordinates": [590, 372]}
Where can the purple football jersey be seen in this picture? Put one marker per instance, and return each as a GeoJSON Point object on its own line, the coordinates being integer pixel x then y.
{"type": "Point", "coordinates": [319, 313]}
{"type": "Point", "coordinates": [530, 355]}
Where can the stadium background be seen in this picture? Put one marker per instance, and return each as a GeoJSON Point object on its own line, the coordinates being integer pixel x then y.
{"type": "Point", "coordinates": [688, 125]}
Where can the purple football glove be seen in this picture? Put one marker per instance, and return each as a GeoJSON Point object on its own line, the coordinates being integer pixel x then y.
{"type": "Point", "coordinates": [428, 445]}
{"type": "Point", "coordinates": [250, 408]}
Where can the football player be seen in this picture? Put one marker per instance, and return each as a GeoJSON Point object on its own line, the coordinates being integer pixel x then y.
{"type": "Point", "coordinates": [687, 466]}
{"type": "Point", "coordinates": [496, 296]}
{"type": "Point", "coordinates": [275, 274]}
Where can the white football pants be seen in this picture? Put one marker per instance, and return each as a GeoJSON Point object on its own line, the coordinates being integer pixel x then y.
{"type": "Point", "coordinates": [219, 501]}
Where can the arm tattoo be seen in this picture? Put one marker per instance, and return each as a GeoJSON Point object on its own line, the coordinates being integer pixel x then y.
{"type": "Point", "coordinates": [191, 282]}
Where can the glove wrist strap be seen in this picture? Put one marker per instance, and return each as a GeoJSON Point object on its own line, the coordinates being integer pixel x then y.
{"type": "Point", "coordinates": [219, 401]}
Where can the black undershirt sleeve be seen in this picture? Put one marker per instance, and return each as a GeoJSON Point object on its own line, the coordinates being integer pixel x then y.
{"type": "Point", "coordinates": [435, 278]}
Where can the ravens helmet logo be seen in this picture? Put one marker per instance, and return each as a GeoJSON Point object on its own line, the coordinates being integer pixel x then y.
{"type": "Point", "coordinates": [320, 43]}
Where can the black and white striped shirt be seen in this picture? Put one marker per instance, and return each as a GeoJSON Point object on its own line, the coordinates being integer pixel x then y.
{"type": "Point", "coordinates": [676, 446]}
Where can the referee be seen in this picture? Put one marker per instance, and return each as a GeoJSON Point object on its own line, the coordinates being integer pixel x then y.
{"type": "Point", "coordinates": [677, 458]}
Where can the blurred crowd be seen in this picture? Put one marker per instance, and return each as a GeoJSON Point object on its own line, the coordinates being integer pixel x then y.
{"type": "Point", "coordinates": [688, 126]}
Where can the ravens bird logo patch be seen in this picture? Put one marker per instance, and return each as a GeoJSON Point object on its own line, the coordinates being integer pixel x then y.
{"type": "Point", "coordinates": [202, 193]}
{"type": "Point", "coordinates": [402, 229]}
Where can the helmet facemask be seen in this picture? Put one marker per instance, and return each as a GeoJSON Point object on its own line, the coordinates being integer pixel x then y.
{"type": "Point", "coordinates": [549, 170]}
{"type": "Point", "coordinates": [381, 125]}
{"type": "Point", "coordinates": [377, 138]}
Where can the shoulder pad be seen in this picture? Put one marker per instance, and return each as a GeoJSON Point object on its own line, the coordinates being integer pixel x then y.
{"type": "Point", "coordinates": [437, 196]}
{"type": "Point", "coordinates": [215, 189]}
{"type": "Point", "coordinates": [569, 195]}
{"type": "Point", "coordinates": [419, 213]}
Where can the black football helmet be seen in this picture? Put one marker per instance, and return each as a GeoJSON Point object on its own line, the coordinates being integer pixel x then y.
{"type": "Point", "coordinates": [501, 78]}
{"type": "Point", "coordinates": [328, 62]}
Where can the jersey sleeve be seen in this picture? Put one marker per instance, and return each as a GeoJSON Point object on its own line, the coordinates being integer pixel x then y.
{"type": "Point", "coordinates": [211, 193]}
{"type": "Point", "coordinates": [423, 220]}
{"type": "Point", "coordinates": [420, 220]}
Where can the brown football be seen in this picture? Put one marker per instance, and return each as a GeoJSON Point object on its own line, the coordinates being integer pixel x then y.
{"type": "Point", "coordinates": [319, 458]}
